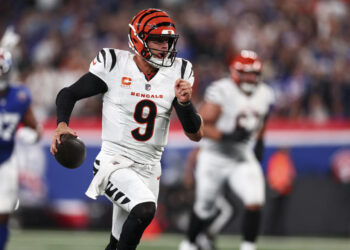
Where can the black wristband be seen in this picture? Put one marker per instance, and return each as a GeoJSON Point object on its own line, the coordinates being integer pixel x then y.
{"type": "Point", "coordinates": [188, 116]}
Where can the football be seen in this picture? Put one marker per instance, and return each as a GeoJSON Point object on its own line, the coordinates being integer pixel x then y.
{"type": "Point", "coordinates": [71, 152]}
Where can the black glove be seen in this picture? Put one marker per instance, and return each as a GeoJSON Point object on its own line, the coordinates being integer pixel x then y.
{"type": "Point", "coordinates": [239, 135]}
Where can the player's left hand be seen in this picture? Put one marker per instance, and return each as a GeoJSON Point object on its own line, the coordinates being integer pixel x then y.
{"type": "Point", "coordinates": [183, 90]}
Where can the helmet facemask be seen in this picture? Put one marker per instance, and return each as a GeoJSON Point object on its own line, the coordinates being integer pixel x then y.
{"type": "Point", "coordinates": [168, 56]}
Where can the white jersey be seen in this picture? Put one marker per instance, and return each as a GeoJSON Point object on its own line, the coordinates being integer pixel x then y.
{"type": "Point", "coordinates": [136, 112]}
{"type": "Point", "coordinates": [237, 109]}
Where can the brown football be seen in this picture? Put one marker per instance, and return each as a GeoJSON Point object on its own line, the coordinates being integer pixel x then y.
{"type": "Point", "coordinates": [71, 152]}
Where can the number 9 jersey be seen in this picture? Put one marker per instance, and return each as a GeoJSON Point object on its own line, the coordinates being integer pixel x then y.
{"type": "Point", "coordinates": [136, 111]}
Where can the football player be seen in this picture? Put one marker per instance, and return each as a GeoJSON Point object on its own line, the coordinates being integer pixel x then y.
{"type": "Point", "coordinates": [234, 112]}
{"type": "Point", "coordinates": [139, 90]}
{"type": "Point", "coordinates": [15, 108]}
{"type": "Point", "coordinates": [206, 239]}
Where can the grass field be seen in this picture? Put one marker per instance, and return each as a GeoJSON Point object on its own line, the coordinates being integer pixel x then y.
{"type": "Point", "coordinates": [76, 240]}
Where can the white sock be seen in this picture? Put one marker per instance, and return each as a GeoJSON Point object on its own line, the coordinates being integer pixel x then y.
{"type": "Point", "coordinates": [246, 245]}
{"type": "Point", "coordinates": [186, 245]}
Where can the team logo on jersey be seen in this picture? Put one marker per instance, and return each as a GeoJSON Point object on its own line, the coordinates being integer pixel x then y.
{"type": "Point", "coordinates": [126, 82]}
{"type": "Point", "coordinates": [148, 86]}
{"type": "Point", "coordinates": [144, 95]}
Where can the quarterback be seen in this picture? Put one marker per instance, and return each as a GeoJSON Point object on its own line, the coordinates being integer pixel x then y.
{"type": "Point", "coordinates": [15, 108]}
{"type": "Point", "coordinates": [234, 111]}
{"type": "Point", "coordinates": [139, 90]}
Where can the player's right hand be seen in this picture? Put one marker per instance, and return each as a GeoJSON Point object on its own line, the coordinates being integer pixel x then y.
{"type": "Point", "coordinates": [239, 135]}
{"type": "Point", "coordinates": [62, 128]}
{"type": "Point", "coordinates": [183, 90]}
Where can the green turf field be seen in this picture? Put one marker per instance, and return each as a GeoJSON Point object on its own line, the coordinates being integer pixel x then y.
{"type": "Point", "coordinates": [73, 240]}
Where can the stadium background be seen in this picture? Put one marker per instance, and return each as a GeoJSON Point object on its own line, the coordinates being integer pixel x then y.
{"type": "Point", "coordinates": [305, 49]}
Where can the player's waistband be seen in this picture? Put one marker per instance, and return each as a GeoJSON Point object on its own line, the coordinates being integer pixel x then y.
{"type": "Point", "coordinates": [136, 155]}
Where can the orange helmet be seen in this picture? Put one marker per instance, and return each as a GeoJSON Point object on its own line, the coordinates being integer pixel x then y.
{"type": "Point", "coordinates": [245, 70]}
{"type": "Point", "coordinates": [153, 23]}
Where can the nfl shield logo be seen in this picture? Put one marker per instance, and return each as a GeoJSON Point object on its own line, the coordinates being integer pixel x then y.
{"type": "Point", "coordinates": [148, 87]}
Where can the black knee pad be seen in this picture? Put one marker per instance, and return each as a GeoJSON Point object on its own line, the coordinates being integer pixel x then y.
{"type": "Point", "coordinates": [139, 218]}
{"type": "Point", "coordinates": [144, 212]}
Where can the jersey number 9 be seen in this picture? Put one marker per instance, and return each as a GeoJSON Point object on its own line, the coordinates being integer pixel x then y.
{"type": "Point", "coordinates": [144, 117]}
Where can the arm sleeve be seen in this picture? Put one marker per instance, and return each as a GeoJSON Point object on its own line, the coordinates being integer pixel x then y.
{"type": "Point", "coordinates": [88, 85]}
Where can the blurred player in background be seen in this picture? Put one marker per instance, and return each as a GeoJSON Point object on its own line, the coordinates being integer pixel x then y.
{"type": "Point", "coordinates": [15, 108]}
{"type": "Point", "coordinates": [234, 112]}
{"type": "Point", "coordinates": [205, 240]}
{"type": "Point", "coordinates": [139, 91]}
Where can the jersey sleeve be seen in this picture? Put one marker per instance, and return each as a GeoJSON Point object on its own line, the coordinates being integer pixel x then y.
{"type": "Point", "coordinates": [214, 94]}
{"type": "Point", "coordinates": [103, 63]}
{"type": "Point", "coordinates": [187, 71]}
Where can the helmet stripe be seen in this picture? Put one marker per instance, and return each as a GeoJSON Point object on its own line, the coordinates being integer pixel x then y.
{"type": "Point", "coordinates": [143, 16]}
{"type": "Point", "coordinates": [138, 14]}
{"type": "Point", "coordinates": [163, 24]}
{"type": "Point", "coordinates": [143, 28]}
{"type": "Point", "coordinates": [150, 15]}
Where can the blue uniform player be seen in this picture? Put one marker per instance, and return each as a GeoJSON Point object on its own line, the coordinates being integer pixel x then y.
{"type": "Point", "coordinates": [15, 108]}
